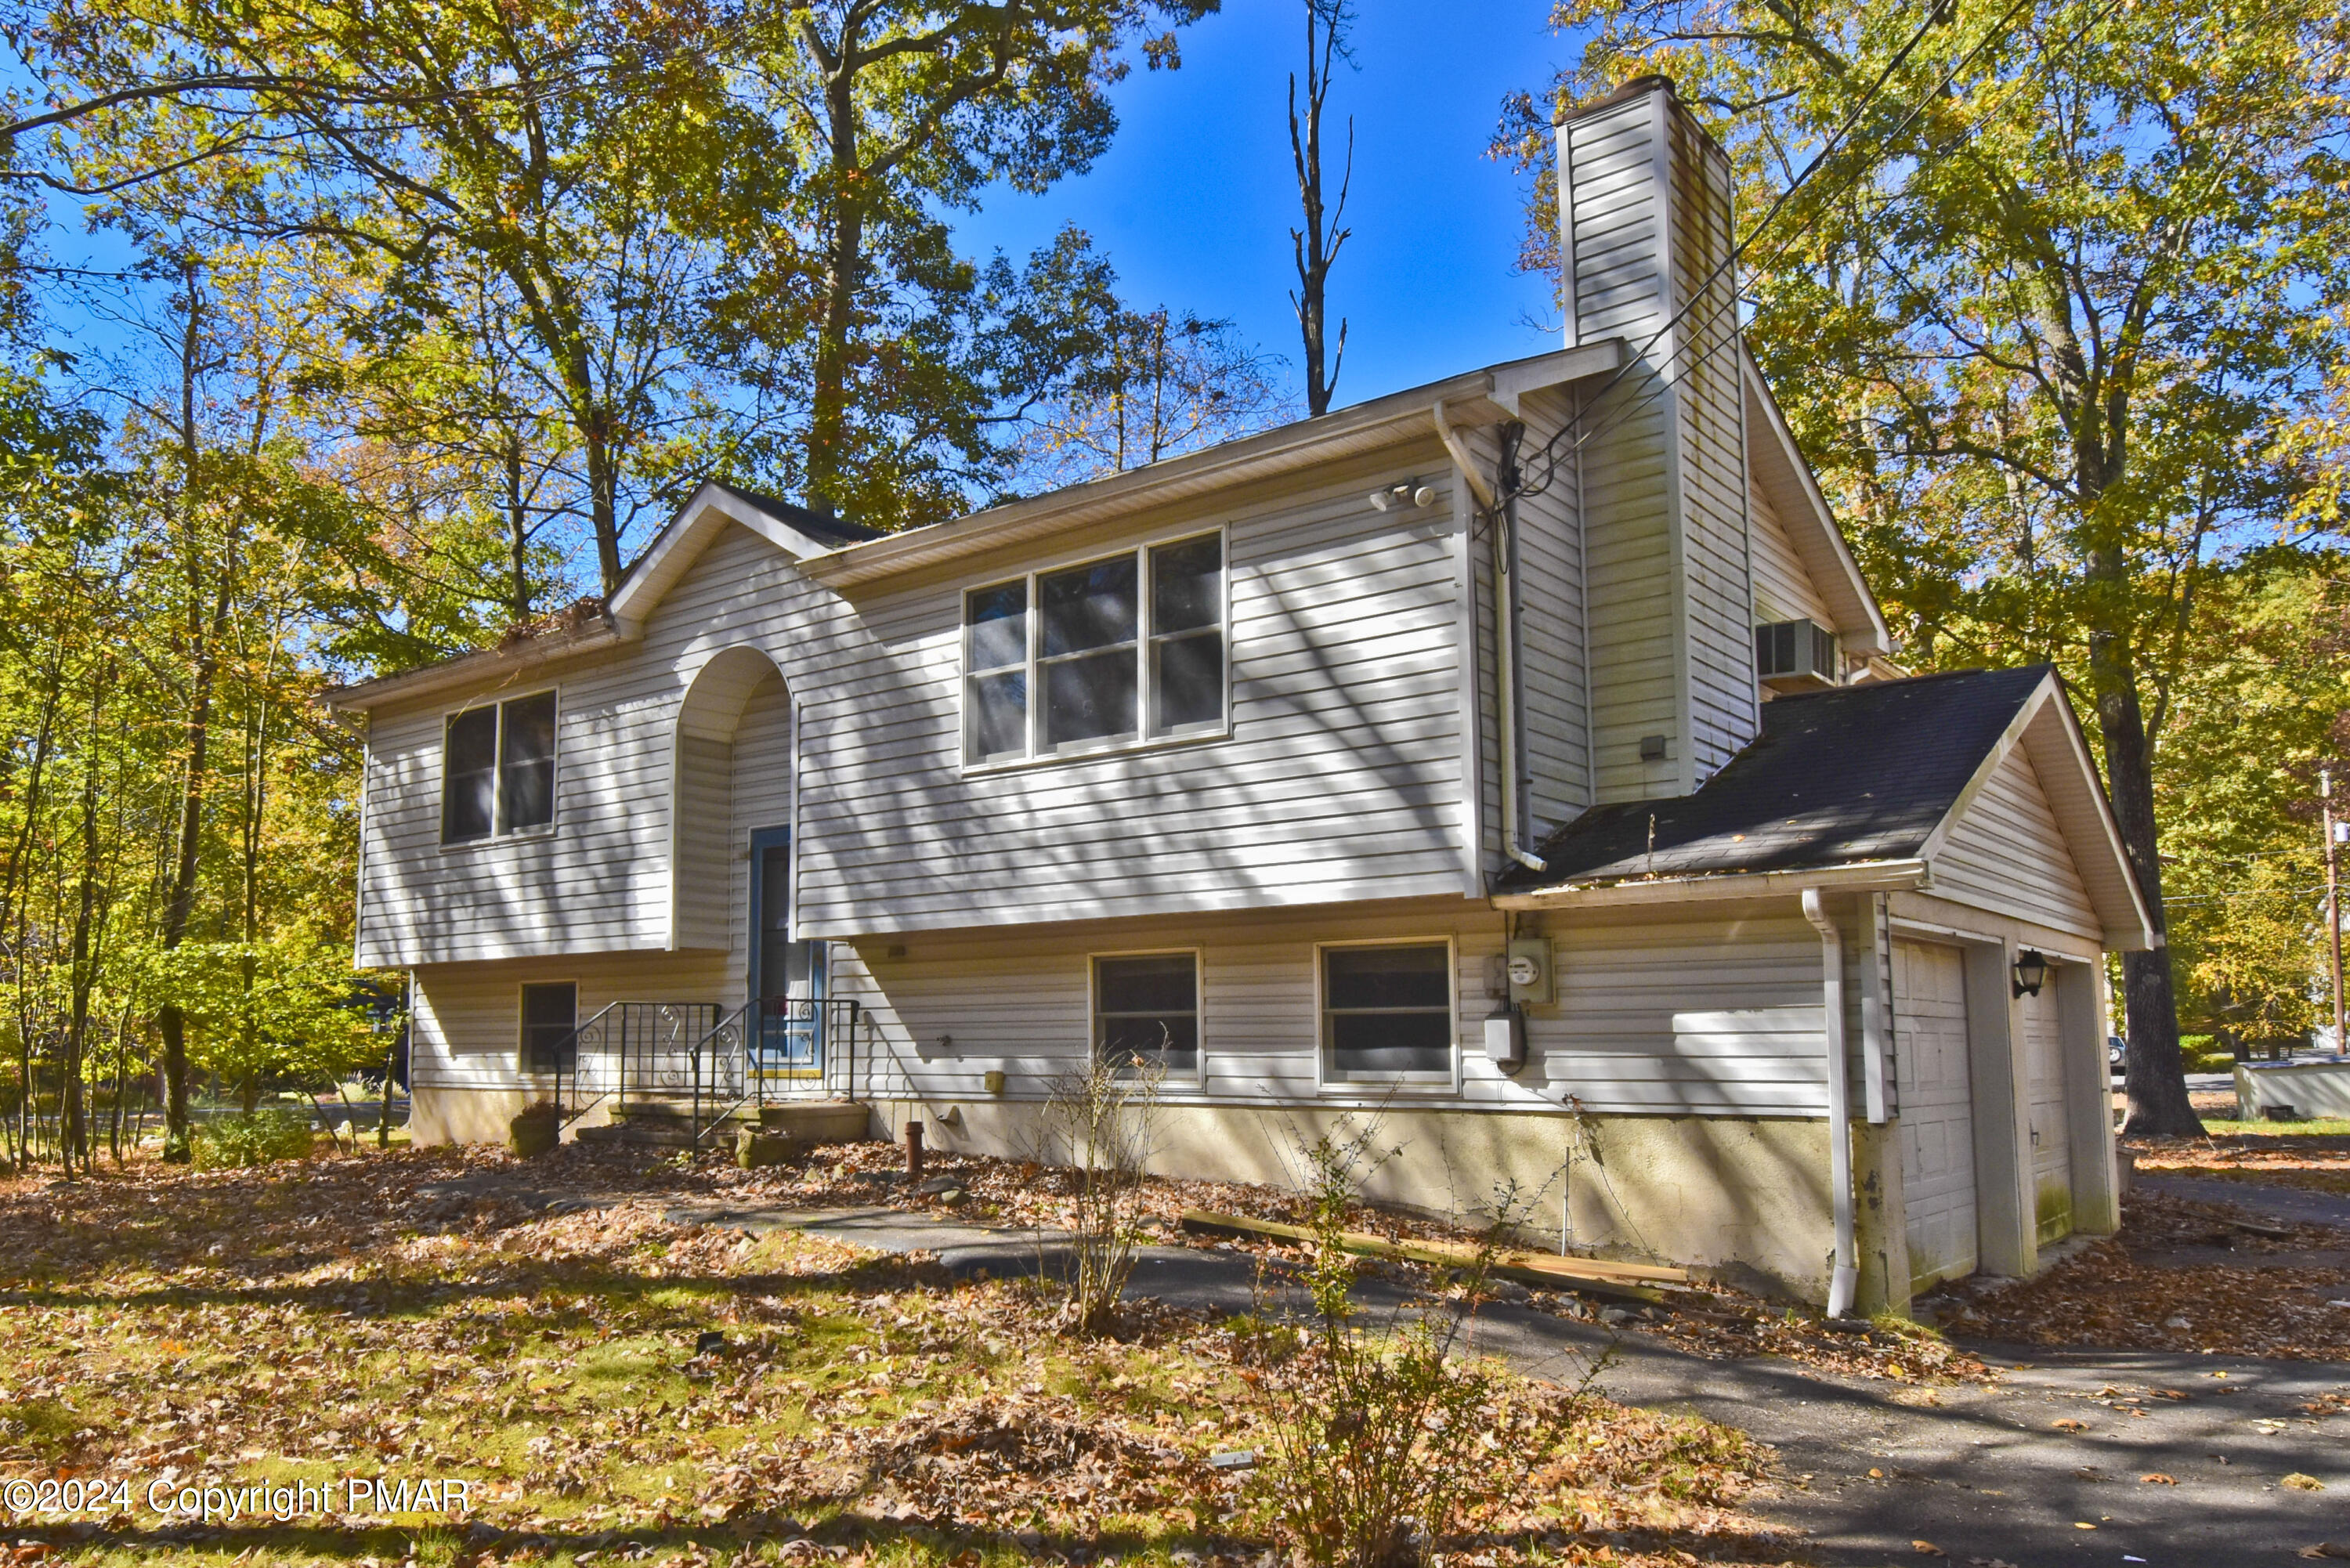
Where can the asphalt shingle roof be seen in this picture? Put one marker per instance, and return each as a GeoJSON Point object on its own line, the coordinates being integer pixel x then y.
{"type": "Point", "coordinates": [816, 525]}
{"type": "Point", "coordinates": [1859, 773]}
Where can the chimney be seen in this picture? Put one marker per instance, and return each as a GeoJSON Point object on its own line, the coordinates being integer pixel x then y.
{"type": "Point", "coordinates": [1644, 202]}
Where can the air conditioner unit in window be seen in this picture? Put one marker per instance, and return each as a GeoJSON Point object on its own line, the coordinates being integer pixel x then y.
{"type": "Point", "coordinates": [1796, 656]}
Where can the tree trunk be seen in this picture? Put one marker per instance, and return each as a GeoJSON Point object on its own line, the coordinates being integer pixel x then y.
{"type": "Point", "coordinates": [2154, 1073]}
{"type": "Point", "coordinates": [843, 268]}
{"type": "Point", "coordinates": [518, 535]}
{"type": "Point", "coordinates": [1315, 245]}
{"type": "Point", "coordinates": [179, 907]}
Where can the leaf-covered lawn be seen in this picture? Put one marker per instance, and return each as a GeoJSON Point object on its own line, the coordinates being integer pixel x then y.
{"type": "Point", "coordinates": [2180, 1276]}
{"type": "Point", "coordinates": [2315, 1161]}
{"type": "Point", "coordinates": [357, 1317]}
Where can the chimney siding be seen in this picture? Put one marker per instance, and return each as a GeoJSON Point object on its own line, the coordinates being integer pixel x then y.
{"type": "Point", "coordinates": [1646, 219]}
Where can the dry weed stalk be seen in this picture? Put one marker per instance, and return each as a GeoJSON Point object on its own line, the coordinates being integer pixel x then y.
{"type": "Point", "coordinates": [1382, 1433]}
{"type": "Point", "coordinates": [1101, 1118]}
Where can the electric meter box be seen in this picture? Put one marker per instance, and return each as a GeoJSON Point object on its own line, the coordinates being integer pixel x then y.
{"type": "Point", "coordinates": [1529, 969]}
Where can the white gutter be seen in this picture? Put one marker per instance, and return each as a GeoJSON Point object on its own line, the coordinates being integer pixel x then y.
{"type": "Point", "coordinates": [1845, 1281]}
{"type": "Point", "coordinates": [1505, 639]}
{"type": "Point", "coordinates": [1872, 876]}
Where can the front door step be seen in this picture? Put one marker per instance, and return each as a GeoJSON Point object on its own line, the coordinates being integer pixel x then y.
{"type": "Point", "coordinates": [669, 1124]}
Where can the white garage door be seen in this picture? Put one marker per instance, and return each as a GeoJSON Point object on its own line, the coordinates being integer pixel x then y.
{"type": "Point", "coordinates": [2052, 1162]}
{"type": "Point", "coordinates": [1938, 1137]}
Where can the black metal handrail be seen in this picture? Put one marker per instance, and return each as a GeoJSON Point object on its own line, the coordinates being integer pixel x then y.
{"type": "Point", "coordinates": [628, 1047]}
{"type": "Point", "coordinates": [777, 1050]}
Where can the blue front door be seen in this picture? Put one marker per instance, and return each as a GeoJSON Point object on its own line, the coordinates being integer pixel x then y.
{"type": "Point", "coordinates": [786, 978]}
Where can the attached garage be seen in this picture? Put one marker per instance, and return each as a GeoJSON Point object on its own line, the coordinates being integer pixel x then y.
{"type": "Point", "coordinates": [1933, 832]}
{"type": "Point", "coordinates": [1937, 1122]}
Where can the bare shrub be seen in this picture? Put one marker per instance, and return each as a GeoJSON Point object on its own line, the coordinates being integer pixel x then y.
{"type": "Point", "coordinates": [1099, 1121]}
{"type": "Point", "coordinates": [1380, 1431]}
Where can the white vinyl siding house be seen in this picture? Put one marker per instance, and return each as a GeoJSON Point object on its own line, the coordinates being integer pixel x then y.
{"type": "Point", "coordinates": [1203, 764]}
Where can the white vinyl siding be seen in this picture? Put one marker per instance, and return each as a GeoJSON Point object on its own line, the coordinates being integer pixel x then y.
{"type": "Point", "coordinates": [1020, 1000]}
{"type": "Point", "coordinates": [1340, 780]}
{"type": "Point", "coordinates": [1783, 589]}
{"type": "Point", "coordinates": [762, 799]}
{"type": "Point", "coordinates": [466, 1027]}
{"type": "Point", "coordinates": [1645, 220]}
{"type": "Point", "coordinates": [1685, 1016]}
{"type": "Point", "coordinates": [2007, 854]}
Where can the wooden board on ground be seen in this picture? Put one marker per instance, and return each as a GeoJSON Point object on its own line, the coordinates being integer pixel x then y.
{"type": "Point", "coordinates": [1593, 1276]}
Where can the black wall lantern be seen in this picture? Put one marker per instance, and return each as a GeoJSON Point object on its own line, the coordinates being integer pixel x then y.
{"type": "Point", "coordinates": [2031, 972]}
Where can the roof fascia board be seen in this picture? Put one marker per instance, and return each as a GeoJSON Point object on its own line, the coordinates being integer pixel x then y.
{"type": "Point", "coordinates": [488, 667]}
{"type": "Point", "coordinates": [1468, 400]}
{"type": "Point", "coordinates": [1383, 421]}
{"type": "Point", "coordinates": [1515, 381]}
{"type": "Point", "coordinates": [1867, 876]}
{"type": "Point", "coordinates": [2090, 788]}
{"type": "Point", "coordinates": [1876, 638]}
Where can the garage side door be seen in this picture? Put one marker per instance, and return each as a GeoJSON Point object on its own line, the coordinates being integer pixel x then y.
{"type": "Point", "coordinates": [1938, 1137]}
{"type": "Point", "coordinates": [2052, 1162]}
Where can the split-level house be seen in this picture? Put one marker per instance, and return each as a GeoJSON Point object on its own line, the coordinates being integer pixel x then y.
{"type": "Point", "coordinates": [1516, 759]}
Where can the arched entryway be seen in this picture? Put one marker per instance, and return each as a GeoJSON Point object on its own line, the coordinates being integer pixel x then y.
{"type": "Point", "coordinates": [731, 816]}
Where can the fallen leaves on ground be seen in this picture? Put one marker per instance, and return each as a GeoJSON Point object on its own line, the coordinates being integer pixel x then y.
{"type": "Point", "coordinates": [622, 1386]}
{"type": "Point", "coordinates": [2315, 1162]}
{"type": "Point", "coordinates": [1716, 1321]}
{"type": "Point", "coordinates": [2180, 1276]}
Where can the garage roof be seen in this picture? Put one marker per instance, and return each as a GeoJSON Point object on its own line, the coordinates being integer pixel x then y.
{"type": "Point", "coordinates": [1858, 776]}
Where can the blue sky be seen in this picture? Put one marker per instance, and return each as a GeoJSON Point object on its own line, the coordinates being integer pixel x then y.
{"type": "Point", "coordinates": [1195, 199]}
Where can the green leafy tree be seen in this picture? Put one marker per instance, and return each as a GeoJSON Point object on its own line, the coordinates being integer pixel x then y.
{"type": "Point", "coordinates": [2060, 281]}
{"type": "Point", "coordinates": [899, 113]}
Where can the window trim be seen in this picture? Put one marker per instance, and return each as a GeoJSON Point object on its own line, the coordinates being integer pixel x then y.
{"type": "Point", "coordinates": [1196, 1075]}
{"type": "Point", "coordinates": [1326, 1079]}
{"type": "Point", "coordinates": [497, 773]}
{"type": "Point", "coordinates": [521, 1023]}
{"type": "Point", "coordinates": [1034, 662]}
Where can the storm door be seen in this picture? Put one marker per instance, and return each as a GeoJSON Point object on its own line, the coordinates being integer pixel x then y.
{"type": "Point", "coordinates": [786, 978]}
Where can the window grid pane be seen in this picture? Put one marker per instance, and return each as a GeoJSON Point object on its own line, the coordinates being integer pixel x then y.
{"type": "Point", "coordinates": [1090, 697]}
{"type": "Point", "coordinates": [1147, 1011]}
{"type": "Point", "coordinates": [469, 772]}
{"type": "Point", "coordinates": [1388, 1011]}
{"type": "Point", "coordinates": [527, 764]}
{"type": "Point", "coordinates": [550, 1016]}
{"type": "Point", "coordinates": [1089, 659]}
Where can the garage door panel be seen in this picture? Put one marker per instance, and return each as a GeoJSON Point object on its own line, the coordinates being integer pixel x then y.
{"type": "Point", "coordinates": [2052, 1163]}
{"type": "Point", "coordinates": [1930, 1065]}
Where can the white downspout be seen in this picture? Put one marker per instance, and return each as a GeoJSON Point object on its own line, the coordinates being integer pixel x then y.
{"type": "Point", "coordinates": [1505, 637]}
{"type": "Point", "coordinates": [1845, 1281]}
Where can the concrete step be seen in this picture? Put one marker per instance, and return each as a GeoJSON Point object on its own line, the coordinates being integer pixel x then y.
{"type": "Point", "coordinates": [669, 1124]}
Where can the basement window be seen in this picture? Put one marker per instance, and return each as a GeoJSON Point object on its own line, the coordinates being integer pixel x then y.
{"type": "Point", "coordinates": [550, 1025]}
{"type": "Point", "coordinates": [1118, 651]}
{"type": "Point", "coordinates": [1147, 1011]}
{"type": "Point", "coordinates": [1387, 1013]}
{"type": "Point", "coordinates": [497, 769]}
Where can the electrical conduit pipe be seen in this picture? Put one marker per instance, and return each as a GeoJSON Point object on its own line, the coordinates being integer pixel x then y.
{"type": "Point", "coordinates": [1505, 641]}
{"type": "Point", "coordinates": [1843, 1281]}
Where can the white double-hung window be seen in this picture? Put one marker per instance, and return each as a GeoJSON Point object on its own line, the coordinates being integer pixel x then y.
{"type": "Point", "coordinates": [497, 769]}
{"type": "Point", "coordinates": [1116, 652]}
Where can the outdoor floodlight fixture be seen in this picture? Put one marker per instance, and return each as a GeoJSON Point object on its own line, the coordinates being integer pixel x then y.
{"type": "Point", "coordinates": [2031, 972]}
{"type": "Point", "coordinates": [1404, 495]}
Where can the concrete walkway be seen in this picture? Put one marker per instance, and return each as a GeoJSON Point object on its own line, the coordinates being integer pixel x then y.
{"type": "Point", "coordinates": [2293, 1205]}
{"type": "Point", "coordinates": [1985, 1473]}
